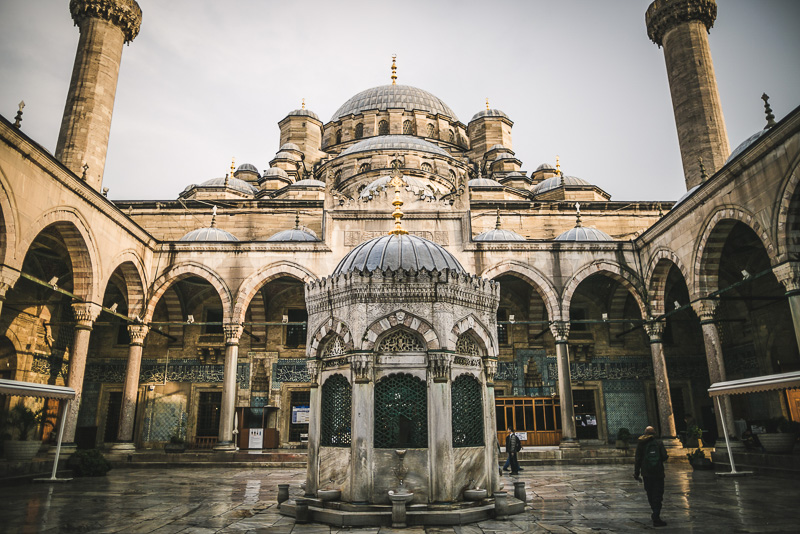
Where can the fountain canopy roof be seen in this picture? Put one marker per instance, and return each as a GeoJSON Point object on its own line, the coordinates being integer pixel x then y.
{"type": "Point", "coordinates": [398, 252]}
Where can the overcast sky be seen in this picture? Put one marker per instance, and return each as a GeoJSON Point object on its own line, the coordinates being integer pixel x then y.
{"type": "Point", "coordinates": [207, 80]}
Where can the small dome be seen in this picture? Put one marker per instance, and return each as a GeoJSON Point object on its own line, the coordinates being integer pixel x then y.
{"type": "Point", "coordinates": [516, 174]}
{"type": "Point", "coordinates": [581, 233]}
{"type": "Point", "coordinates": [247, 167]}
{"type": "Point", "coordinates": [395, 142]}
{"type": "Point", "coordinates": [289, 146]}
{"type": "Point", "coordinates": [489, 113]}
{"type": "Point", "coordinates": [395, 252]}
{"type": "Point", "coordinates": [504, 155]}
{"type": "Point", "coordinates": [498, 234]}
{"type": "Point", "coordinates": [497, 147]}
{"type": "Point", "coordinates": [412, 184]}
{"type": "Point", "coordinates": [275, 172]}
{"type": "Point", "coordinates": [484, 182]}
{"type": "Point", "coordinates": [746, 144]}
{"type": "Point", "coordinates": [303, 113]}
{"type": "Point", "coordinates": [211, 233]}
{"type": "Point", "coordinates": [545, 167]}
{"type": "Point", "coordinates": [555, 182]}
{"type": "Point", "coordinates": [308, 182]}
{"type": "Point", "coordinates": [286, 155]}
{"type": "Point", "coordinates": [386, 97]}
{"type": "Point", "coordinates": [295, 234]}
{"type": "Point", "coordinates": [233, 183]}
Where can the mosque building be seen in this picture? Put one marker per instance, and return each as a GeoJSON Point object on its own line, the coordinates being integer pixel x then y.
{"type": "Point", "coordinates": [570, 314]}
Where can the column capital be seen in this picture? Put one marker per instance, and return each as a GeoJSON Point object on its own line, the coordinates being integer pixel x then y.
{"type": "Point", "coordinates": [125, 14]}
{"type": "Point", "coordinates": [4, 287]}
{"type": "Point", "coordinates": [490, 369]}
{"type": "Point", "coordinates": [705, 309]}
{"type": "Point", "coordinates": [233, 332]}
{"type": "Point", "coordinates": [138, 332]}
{"type": "Point", "coordinates": [313, 366]}
{"type": "Point", "coordinates": [788, 274]}
{"type": "Point", "coordinates": [560, 331]}
{"type": "Point", "coordinates": [663, 15]}
{"type": "Point", "coordinates": [654, 329]}
{"type": "Point", "coordinates": [360, 363]}
{"type": "Point", "coordinates": [85, 314]}
{"type": "Point", "coordinates": [439, 365]}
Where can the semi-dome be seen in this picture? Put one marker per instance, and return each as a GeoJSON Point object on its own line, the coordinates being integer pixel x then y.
{"type": "Point", "coordinates": [395, 142]}
{"type": "Point", "coordinates": [233, 183]}
{"type": "Point", "coordinates": [303, 113]}
{"type": "Point", "coordinates": [398, 251]}
{"type": "Point", "coordinates": [412, 184]}
{"type": "Point", "coordinates": [489, 113]}
{"type": "Point", "coordinates": [497, 147]}
{"type": "Point", "coordinates": [484, 182]}
{"type": "Point", "coordinates": [386, 97]}
{"type": "Point", "coordinates": [744, 145]}
{"type": "Point", "coordinates": [581, 233]}
{"type": "Point", "coordinates": [294, 234]}
{"type": "Point", "coordinates": [212, 233]}
{"type": "Point", "coordinates": [499, 234]}
{"type": "Point", "coordinates": [504, 155]}
{"type": "Point", "coordinates": [308, 182]}
{"type": "Point", "coordinates": [557, 181]}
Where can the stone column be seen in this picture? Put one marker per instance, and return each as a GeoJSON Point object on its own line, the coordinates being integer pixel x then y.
{"type": "Point", "coordinates": [83, 139]}
{"type": "Point", "coordinates": [716, 365]}
{"type": "Point", "coordinates": [681, 27]}
{"type": "Point", "coordinates": [229, 387]}
{"type": "Point", "coordinates": [490, 426]}
{"type": "Point", "coordinates": [560, 331]}
{"type": "Point", "coordinates": [440, 426]}
{"type": "Point", "coordinates": [312, 470]}
{"type": "Point", "coordinates": [130, 390]}
{"type": "Point", "coordinates": [788, 274]}
{"type": "Point", "coordinates": [654, 331]}
{"type": "Point", "coordinates": [362, 432]}
{"type": "Point", "coordinates": [85, 314]}
{"type": "Point", "coordinates": [3, 290]}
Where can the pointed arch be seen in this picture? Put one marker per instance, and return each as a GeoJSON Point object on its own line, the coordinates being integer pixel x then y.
{"type": "Point", "coordinates": [472, 325]}
{"type": "Point", "coordinates": [401, 318]}
{"type": "Point", "coordinates": [540, 283]}
{"type": "Point", "coordinates": [185, 270]}
{"type": "Point", "coordinates": [712, 240]}
{"type": "Point", "coordinates": [332, 326]}
{"type": "Point", "coordinates": [787, 216]}
{"type": "Point", "coordinates": [657, 271]}
{"type": "Point", "coordinates": [253, 283]}
{"type": "Point", "coordinates": [8, 221]}
{"type": "Point", "coordinates": [132, 268]}
{"type": "Point", "coordinates": [610, 269]}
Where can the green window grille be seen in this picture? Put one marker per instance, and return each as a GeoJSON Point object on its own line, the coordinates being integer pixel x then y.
{"type": "Point", "coordinates": [427, 167]}
{"type": "Point", "coordinates": [467, 412]}
{"type": "Point", "coordinates": [337, 400]}
{"type": "Point", "coordinates": [401, 412]}
{"type": "Point", "coordinates": [400, 341]}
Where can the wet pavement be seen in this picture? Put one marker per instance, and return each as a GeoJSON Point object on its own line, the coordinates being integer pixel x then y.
{"type": "Point", "coordinates": [560, 499]}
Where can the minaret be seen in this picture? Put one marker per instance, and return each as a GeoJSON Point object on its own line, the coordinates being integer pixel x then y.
{"type": "Point", "coordinates": [105, 25]}
{"type": "Point", "coordinates": [681, 27]}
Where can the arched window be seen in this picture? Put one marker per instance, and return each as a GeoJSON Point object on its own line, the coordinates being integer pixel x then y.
{"type": "Point", "coordinates": [466, 345]}
{"type": "Point", "coordinates": [396, 163]}
{"type": "Point", "coordinates": [359, 130]}
{"type": "Point", "coordinates": [427, 167]}
{"type": "Point", "coordinates": [334, 347]}
{"type": "Point", "coordinates": [467, 416]}
{"type": "Point", "coordinates": [337, 176]}
{"type": "Point", "coordinates": [400, 341]}
{"type": "Point", "coordinates": [408, 128]}
{"type": "Point", "coordinates": [452, 176]}
{"type": "Point", "coordinates": [451, 136]}
{"type": "Point", "coordinates": [401, 412]}
{"type": "Point", "coordinates": [383, 128]}
{"type": "Point", "coordinates": [431, 130]}
{"type": "Point", "coordinates": [338, 136]}
{"type": "Point", "coordinates": [364, 167]}
{"type": "Point", "coordinates": [334, 427]}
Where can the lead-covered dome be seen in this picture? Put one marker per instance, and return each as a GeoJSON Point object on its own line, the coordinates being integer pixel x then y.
{"type": "Point", "coordinates": [385, 97]}
{"type": "Point", "coordinates": [395, 252]}
{"type": "Point", "coordinates": [581, 233]}
{"type": "Point", "coordinates": [395, 142]}
{"type": "Point", "coordinates": [231, 183]}
{"type": "Point", "coordinates": [557, 181]}
{"type": "Point", "coordinates": [212, 233]}
{"type": "Point", "coordinates": [489, 113]}
{"type": "Point", "coordinates": [294, 235]}
{"type": "Point", "coordinates": [498, 234]}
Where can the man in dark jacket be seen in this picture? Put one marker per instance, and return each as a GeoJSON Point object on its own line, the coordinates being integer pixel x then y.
{"type": "Point", "coordinates": [650, 458]}
{"type": "Point", "coordinates": [513, 446]}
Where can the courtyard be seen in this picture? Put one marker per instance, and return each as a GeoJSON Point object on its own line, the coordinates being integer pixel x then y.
{"type": "Point", "coordinates": [560, 499]}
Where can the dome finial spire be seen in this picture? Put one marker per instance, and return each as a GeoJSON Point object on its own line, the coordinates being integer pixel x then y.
{"type": "Point", "coordinates": [397, 181]}
{"type": "Point", "coordinates": [703, 175]}
{"type": "Point", "coordinates": [558, 165]}
{"type": "Point", "coordinates": [233, 170]}
{"type": "Point", "coordinates": [577, 215]}
{"type": "Point", "coordinates": [297, 220]}
{"type": "Point", "coordinates": [768, 111]}
{"type": "Point", "coordinates": [214, 217]}
{"type": "Point", "coordinates": [497, 222]}
{"type": "Point", "coordinates": [394, 69]}
{"type": "Point", "coordinates": [303, 104]}
{"type": "Point", "coordinates": [487, 103]}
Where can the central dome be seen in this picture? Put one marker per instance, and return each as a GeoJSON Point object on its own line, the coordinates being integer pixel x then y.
{"type": "Point", "coordinates": [394, 252]}
{"type": "Point", "coordinates": [385, 97]}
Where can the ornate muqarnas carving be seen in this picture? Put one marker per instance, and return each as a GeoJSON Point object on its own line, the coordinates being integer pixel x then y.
{"type": "Point", "coordinates": [360, 363]}
{"type": "Point", "coordinates": [654, 331]}
{"type": "Point", "coordinates": [232, 333]}
{"type": "Point", "coordinates": [313, 366]}
{"type": "Point", "coordinates": [138, 332]}
{"type": "Point", "coordinates": [439, 365]}
{"type": "Point", "coordinates": [490, 368]}
{"type": "Point", "coordinates": [125, 14]}
{"type": "Point", "coordinates": [663, 15]}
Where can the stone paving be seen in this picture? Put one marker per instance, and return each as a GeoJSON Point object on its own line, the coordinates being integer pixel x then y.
{"type": "Point", "coordinates": [562, 499]}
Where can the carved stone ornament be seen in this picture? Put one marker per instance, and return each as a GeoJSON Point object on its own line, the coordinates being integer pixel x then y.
{"type": "Point", "coordinates": [439, 365]}
{"type": "Point", "coordinates": [125, 14]}
{"type": "Point", "coordinates": [85, 314]}
{"type": "Point", "coordinates": [655, 330]}
{"type": "Point", "coordinates": [788, 274]}
{"type": "Point", "coordinates": [232, 333]}
{"type": "Point", "coordinates": [313, 367]}
{"type": "Point", "coordinates": [560, 331]}
{"type": "Point", "coordinates": [663, 15]}
{"type": "Point", "coordinates": [138, 332]}
{"type": "Point", "coordinates": [705, 309]}
{"type": "Point", "coordinates": [490, 368]}
{"type": "Point", "coordinates": [360, 364]}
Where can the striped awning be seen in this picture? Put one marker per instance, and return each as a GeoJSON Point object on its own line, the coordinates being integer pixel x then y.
{"type": "Point", "coordinates": [755, 384]}
{"type": "Point", "coordinates": [31, 389]}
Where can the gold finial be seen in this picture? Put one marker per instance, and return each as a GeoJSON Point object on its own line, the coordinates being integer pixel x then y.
{"type": "Point", "coordinates": [487, 103]}
{"type": "Point", "coordinates": [394, 69]}
{"type": "Point", "coordinates": [577, 215]}
{"type": "Point", "coordinates": [397, 181]}
{"type": "Point", "coordinates": [303, 104]}
{"type": "Point", "coordinates": [558, 166]}
{"type": "Point", "coordinates": [497, 222]}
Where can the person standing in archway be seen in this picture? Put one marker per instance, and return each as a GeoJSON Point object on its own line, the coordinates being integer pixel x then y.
{"type": "Point", "coordinates": [650, 458]}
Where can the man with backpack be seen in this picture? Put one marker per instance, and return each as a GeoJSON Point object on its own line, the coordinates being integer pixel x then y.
{"type": "Point", "coordinates": [513, 446]}
{"type": "Point", "coordinates": [650, 458]}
